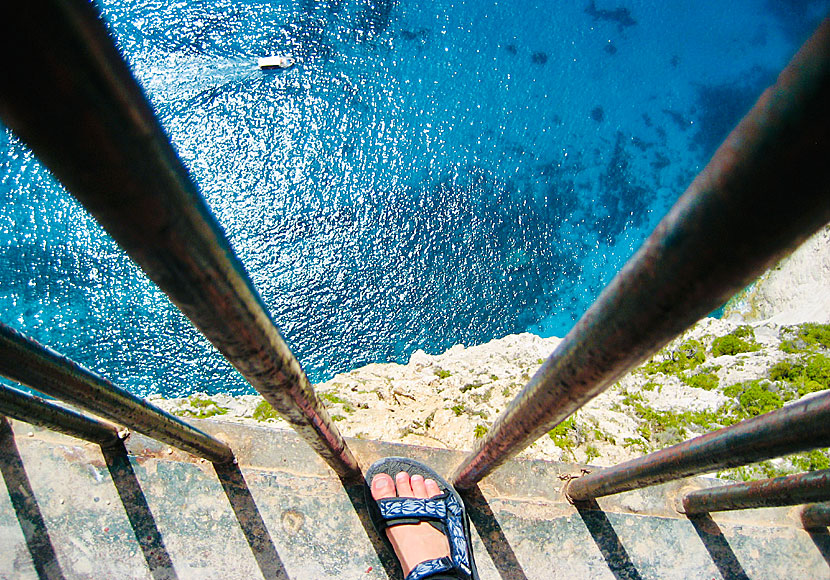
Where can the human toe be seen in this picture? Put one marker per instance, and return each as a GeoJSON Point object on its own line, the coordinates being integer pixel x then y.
{"type": "Point", "coordinates": [382, 486]}
{"type": "Point", "coordinates": [419, 488]}
{"type": "Point", "coordinates": [402, 482]}
{"type": "Point", "coordinates": [432, 488]}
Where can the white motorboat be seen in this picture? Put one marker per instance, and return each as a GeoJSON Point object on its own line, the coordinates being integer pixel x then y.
{"type": "Point", "coordinates": [277, 61]}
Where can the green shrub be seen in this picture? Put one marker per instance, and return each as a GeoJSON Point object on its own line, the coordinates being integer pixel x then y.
{"type": "Point", "coordinates": [333, 398]}
{"type": "Point", "coordinates": [562, 434]}
{"type": "Point", "coordinates": [204, 408]}
{"type": "Point", "coordinates": [591, 453]}
{"type": "Point", "coordinates": [442, 374]}
{"type": "Point", "coordinates": [688, 355]}
{"type": "Point", "coordinates": [812, 461]}
{"type": "Point", "coordinates": [815, 334]}
{"type": "Point", "coordinates": [754, 398]}
{"type": "Point", "coordinates": [786, 371]}
{"type": "Point", "coordinates": [265, 411]}
{"type": "Point", "coordinates": [790, 347]}
{"type": "Point", "coordinates": [479, 431]}
{"type": "Point", "coordinates": [457, 409]}
{"type": "Point", "coordinates": [810, 377]}
{"type": "Point", "coordinates": [744, 331]}
{"type": "Point", "coordinates": [818, 370]}
{"type": "Point", "coordinates": [733, 344]}
{"type": "Point", "coordinates": [706, 381]}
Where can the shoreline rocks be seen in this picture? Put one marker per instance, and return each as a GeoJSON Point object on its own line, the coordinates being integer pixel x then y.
{"type": "Point", "coordinates": [718, 372]}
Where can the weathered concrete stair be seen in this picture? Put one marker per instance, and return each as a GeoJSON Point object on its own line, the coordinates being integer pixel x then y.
{"type": "Point", "coordinates": [74, 511]}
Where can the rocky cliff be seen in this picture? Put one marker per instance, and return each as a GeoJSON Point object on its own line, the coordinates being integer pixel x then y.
{"type": "Point", "coordinates": [770, 349]}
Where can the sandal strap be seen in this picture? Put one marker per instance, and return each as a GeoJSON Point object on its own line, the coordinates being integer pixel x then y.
{"type": "Point", "coordinates": [395, 508]}
{"type": "Point", "coordinates": [444, 508]}
{"type": "Point", "coordinates": [433, 568]}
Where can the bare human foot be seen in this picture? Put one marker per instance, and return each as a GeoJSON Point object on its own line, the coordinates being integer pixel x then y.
{"type": "Point", "coordinates": [413, 543]}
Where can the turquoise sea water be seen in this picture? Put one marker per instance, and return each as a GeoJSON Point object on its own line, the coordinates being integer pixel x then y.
{"type": "Point", "coordinates": [429, 173]}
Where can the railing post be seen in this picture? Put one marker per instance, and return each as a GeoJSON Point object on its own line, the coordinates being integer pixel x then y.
{"type": "Point", "coordinates": [37, 411]}
{"type": "Point", "coordinates": [816, 515]}
{"type": "Point", "coordinates": [797, 427]}
{"type": "Point", "coordinates": [32, 364]}
{"type": "Point", "coordinates": [778, 491]}
{"type": "Point", "coordinates": [66, 91]}
{"type": "Point", "coordinates": [765, 191]}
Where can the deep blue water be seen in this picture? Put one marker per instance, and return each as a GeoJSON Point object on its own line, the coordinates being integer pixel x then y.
{"type": "Point", "coordinates": [430, 173]}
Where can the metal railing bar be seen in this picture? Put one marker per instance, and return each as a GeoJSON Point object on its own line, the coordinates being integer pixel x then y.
{"type": "Point", "coordinates": [87, 119]}
{"type": "Point", "coordinates": [36, 366]}
{"type": "Point", "coordinates": [37, 411]}
{"type": "Point", "coordinates": [815, 515]}
{"type": "Point", "coordinates": [778, 491]}
{"type": "Point", "coordinates": [765, 191]}
{"type": "Point", "coordinates": [801, 426]}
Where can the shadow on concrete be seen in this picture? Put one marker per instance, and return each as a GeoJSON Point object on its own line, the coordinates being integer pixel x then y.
{"type": "Point", "coordinates": [357, 493]}
{"type": "Point", "coordinates": [138, 512]}
{"type": "Point", "coordinates": [717, 546]}
{"type": "Point", "coordinates": [25, 506]}
{"type": "Point", "coordinates": [492, 536]}
{"type": "Point", "coordinates": [822, 541]}
{"type": "Point", "coordinates": [607, 540]}
{"type": "Point", "coordinates": [251, 522]}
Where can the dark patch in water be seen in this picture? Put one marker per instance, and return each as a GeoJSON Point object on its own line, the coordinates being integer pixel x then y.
{"type": "Point", "coordinates": [660, 161]}
{"type": "Point", "coordinates": [721, 107]}
{"type": "Point", "coordinates": [679, 120]}
{"type": "Point", "coordinates": [640, 144]}
{"type": "Point", "coordinates": [511, 48]}
{"type": "Point", "coordinates": [621, 16]}
{"type": "Point", "coordinates": [623, 202]}
{"type": "Point", "coordinates": [647, 120]}
{"type": "Point", "coordinates": [539, 58]}
{"type": "Point", "coordinates": [374, 19]}
{"type": "Point", "coordinates": [422, 35]}
{"type": "Point", "coordinates": [675, 60]}
{"type": "Point", "coordinates": [610, 49]}
{"type": "Point", "coordinates": [798, 18]}
{"type": "Point", "coordinates": [598, 114]}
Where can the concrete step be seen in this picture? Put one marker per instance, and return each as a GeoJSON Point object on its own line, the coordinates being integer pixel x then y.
{"type": "Point", "coordinates": [73, 511]}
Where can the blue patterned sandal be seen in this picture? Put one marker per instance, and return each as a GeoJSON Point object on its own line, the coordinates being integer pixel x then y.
{"type": "Point", "coordinates": [445, 512]}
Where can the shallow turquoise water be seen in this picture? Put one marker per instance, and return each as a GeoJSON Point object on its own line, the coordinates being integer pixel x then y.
{"type": "Point", "coordinates": [428, 174]}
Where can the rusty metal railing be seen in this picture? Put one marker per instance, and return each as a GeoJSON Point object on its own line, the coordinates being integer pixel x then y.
{"type": "Point", "coordinates": [779, 491]}
{"type": "Point", "coordinates": [37, 411]}
{"type": "Point", "coordinates": [67, 92]}
{"type": "Point", "coordinates": [32, 364]}
{"type": "Point", "coordinates": [816, 515]}
{"type": "Point", "coordinates": [798, 427]}
{"type": "Point", "coordinates": [766, 190]}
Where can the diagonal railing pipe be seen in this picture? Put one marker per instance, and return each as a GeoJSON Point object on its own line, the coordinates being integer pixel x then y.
{"type": "Point", "coordinates": [765, 191]}
{"type": "Point", "coordinates": [67, 92]}
{"type": "Point", "coordinates": [37, 411]}
{"type": "Point", "coordinates": [800, 426]}
{"type": "Point", "coordinates": [778, 491]}
{"type": "Point", "coordinates": [41, 368]}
